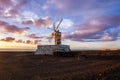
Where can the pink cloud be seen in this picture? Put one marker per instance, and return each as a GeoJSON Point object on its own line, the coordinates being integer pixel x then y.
{"type": "Point", "coordinates": [33, 42]}
{"type": "Point", "coordinates": [19, 41]}
{"type": "Point", "coordinates": [8, 39]}
{"type": "Point", "coordinates": [79, 6]}
{"type": "Point", "coordinates": [12, 28]}
{"type": "Point", "coordinates": [79, 9]}
{"type": "Point", "coordinates": [39, 22]}
{"type": "Point", "coordinates": [34, 36]}
{"type": "Point", "coordinates": [108, 37]}
{"type": "Point", "coordinates": [13, 12]}
{"type": "Point", "coordinates": [6, 3]}
{"type": "Point", "coordinates": [29, 22]}
{"type": "Point", "coordinates": [37, 41]}
{"type": "Point", "coordinates": [43, 22]}
{"type": "Point", "coordinates": [11, 39]}
{"type": "Point", "coordinates": [20, 4]}
{"type": "Point", "coordinates": [12, 8]}
{"type": "Point", "coordinates": [29, 42]}
{"type": "Point", "coordinates": [94, 29]}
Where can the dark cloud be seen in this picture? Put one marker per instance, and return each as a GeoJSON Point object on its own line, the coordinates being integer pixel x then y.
{"type": "Point", "coordinates": [11, 39]}
{"type": "Point", "coordinates": [29, 42]}
{"type": "Point", "coordinates": [12, 28]}
{"type": "Point", "coordinates": [33, 42]}
{"type": "Point", "coordinates": [37, 41]}
{"type": "Point", "coordinates": [34, 36]}
{"type": "Point", "coordinates": [8, 39]}
{"type": "Point", "coordinates": [19, 41]}
{"type": "Point", "coordinates": [29, 22]}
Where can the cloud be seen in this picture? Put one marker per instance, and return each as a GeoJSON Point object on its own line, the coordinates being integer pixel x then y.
{"type": "Point", "coordinates": [29, 22]}
{"type": "Point", "coordinates": [20, 4]}
{"type": "Point", "coordinates": [95, 29]}
{"type": "Point", "coordinates": [6, 3]}
{"type": "Point", "coordinates": [11, 39]}
{"type": "Point", "coordinates": [8, 39]}
{"type": "Point", "coordinates": [13, 12]}
{"type": "Point", "coordinates": [47, 21]}
{"type": "Point", "coordinates": [12, 8]}
{"type": "Point", "coordinates": [43, 22]}
{"type": "Point", "coordinates": [66, 23]}
{"type": "Point", "coordinates": [80, 5]}
{"type": "Point", "coordinates": [34, 42]}
{"type": "Point", "coordinates": [19, 41]}
{"type": "Point", "coordinates": [82, 8]}
{"type": "Point", "coordinates": [1, 10]}
{"type": "Point", "coordinates": [29, 42]}
{"type": "Point", "coordinates": [37, 41]}
{"type": "Point", "coordinates": [34, 36]}
{"type": "Point", "coordinates": [12, 28]}
{"type": "Point", "coordinates": [108, 37]}
{"type": "Point", "coordinates": [39, 22]}
{"type": "Point", "coordinates": [5, 6]}
{"type": "Point", "coordinates": [45, 7]}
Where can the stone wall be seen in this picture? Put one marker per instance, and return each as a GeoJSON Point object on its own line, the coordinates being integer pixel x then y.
{"type": "Point", "coordinates": [49, 49]}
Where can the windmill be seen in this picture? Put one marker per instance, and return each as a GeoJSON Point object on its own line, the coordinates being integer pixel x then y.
{"type": "Point", "coordinates": [56, 34]}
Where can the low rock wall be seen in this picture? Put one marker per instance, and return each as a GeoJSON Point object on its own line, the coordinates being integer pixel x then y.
{"type": "Point", "coordinates": [50, 49]}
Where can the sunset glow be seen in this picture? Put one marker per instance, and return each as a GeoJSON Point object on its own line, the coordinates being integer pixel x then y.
{"type": "Point", "coordinates": [87, 24]}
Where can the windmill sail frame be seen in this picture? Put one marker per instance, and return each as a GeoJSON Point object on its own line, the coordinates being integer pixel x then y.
{"type": "Point", "coordinates": [57, 34]}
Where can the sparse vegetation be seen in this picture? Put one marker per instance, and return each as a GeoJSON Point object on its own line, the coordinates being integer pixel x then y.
{"type": "Point", "coordinates": [27, 66]}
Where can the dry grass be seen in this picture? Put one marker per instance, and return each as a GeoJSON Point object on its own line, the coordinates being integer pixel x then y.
{"type": "Point", "coordinates": [27, 66]}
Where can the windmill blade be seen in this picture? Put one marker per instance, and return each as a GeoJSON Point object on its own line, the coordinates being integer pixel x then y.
{"type": "Point", "coordinates": [54, 26]}
{"type": "Point", "coordinates": [51, 37]}
{"type": "Point", "coordinates": [59, 24]}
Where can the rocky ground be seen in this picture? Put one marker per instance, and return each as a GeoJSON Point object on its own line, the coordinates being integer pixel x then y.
{"type": "Point", "coordinates": [27, 66]}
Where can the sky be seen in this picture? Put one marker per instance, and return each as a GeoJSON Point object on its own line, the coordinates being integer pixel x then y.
{"type": "Point", "coordinates": [87, 24]}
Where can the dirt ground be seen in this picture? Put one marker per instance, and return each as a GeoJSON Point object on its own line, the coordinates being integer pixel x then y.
{"type": "Point", "coordinates": [27, 66]}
